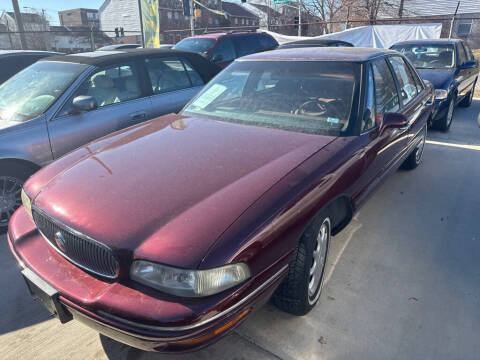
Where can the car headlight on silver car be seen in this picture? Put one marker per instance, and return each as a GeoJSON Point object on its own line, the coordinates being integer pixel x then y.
{"type": "Point", "coordinates": [27, 203]}
{"type": "Point", "coordinates": [188, 283]}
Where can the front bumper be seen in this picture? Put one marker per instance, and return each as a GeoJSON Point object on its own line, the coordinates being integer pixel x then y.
{"type": "Point", "coordinates": [440, 109]}
{"type": "Point", "coordinates": [136, 316]}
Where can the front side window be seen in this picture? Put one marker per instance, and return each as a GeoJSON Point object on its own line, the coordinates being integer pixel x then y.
{"type": "Point", "coordinates": [462, 56]}
{"type": "Point", "coordinates": [224, 51]}
{"type": "Point", "coordinates": [368, 119]}
{"type": "Point", "coordinates": [313, 97]}
{"type": "Point", "coordinates": [39, 86]}
{"type": "Point", "coordinates": [386, 95]}
{"type": "Point", "coordinates": [425, 56]}
{"type": "Point", "coordinates": [109, 86]}
{"type": "Point", "coordinates": [408, 88]}
{"type": "Point", "coordinates": [167, 74]}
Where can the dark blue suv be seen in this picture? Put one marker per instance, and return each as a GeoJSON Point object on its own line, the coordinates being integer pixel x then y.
{"type": "Point", "coordinates": [452, 69]}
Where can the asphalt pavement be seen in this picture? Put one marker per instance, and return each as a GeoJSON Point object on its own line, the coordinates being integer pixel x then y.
{"type": "Point", "coordinates": [402, 282]}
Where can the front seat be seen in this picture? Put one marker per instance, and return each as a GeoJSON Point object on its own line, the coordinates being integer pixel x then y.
{"type": "Point", "coordinates": [103, 90]}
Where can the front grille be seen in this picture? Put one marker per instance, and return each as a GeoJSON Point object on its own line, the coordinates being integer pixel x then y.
{"type": "Point", "coordinates": [79, 249]}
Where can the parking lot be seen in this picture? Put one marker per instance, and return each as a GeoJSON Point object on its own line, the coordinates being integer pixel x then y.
{"type": "Point", "coordinates": [402, 282]}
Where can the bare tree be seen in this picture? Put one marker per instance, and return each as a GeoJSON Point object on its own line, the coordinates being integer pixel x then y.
{"type": "Point", "coordinates": [328, 10]}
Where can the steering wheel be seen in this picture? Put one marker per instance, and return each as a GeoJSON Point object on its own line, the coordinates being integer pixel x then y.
{"type": "Point", "coordinates": [313, 107]}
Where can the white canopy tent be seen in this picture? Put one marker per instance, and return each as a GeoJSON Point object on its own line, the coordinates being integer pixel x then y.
{"type": "Point", "coordinates": [377, 36]}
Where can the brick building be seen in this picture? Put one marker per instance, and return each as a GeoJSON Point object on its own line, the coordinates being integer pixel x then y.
{"type": "Point", "coordinates": [79, 17]}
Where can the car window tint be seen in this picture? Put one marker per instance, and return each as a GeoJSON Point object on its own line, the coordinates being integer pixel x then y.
{"type": "Point", "coordinates": [167, 74]}
{"type": "Point", "coordinates": [109, 86]}
{"type": "Point", "coordinates": [246, 45]}
{"type": "Point", "coordinates": [462, 56]}
{"type": "Point", "coordinates": [386, 96]}
{"type": "Point", "coordinates": [195, 78]}
{"type": "Point", "coordinates": [368, 119]}
{"type": "Point", "coordinates": [408, 88]}
{"type": "Point", "coordinates": [267, 42]}
{"type": "Point", "coordinates": [225, 49]}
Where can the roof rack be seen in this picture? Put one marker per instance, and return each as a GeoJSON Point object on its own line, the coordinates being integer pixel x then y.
{"type": "Point", "coordinates": [241, 31]}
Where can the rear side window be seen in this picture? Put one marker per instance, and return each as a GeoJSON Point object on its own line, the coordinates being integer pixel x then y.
{"type": "Point", "coordinates": [408, 88]}
{"type": "Point", "coordinates": [469, 53]}
{"type": "Point", "coordinates": [462, 56]}
{"type": "Point", "coordinates": [167, 74]}
{"type": "Point", "coordinates": [195, 78]}
{"type": "Point", "coordinates": [223, 51]}
{"type": "Point", "coordinates": [267, 42]}
{"type": "Point", "coordinates": [246, 45]}
{"type": "Point", "coordinates": [386, 96]}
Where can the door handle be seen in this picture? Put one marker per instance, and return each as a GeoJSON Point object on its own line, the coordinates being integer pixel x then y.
{"type": "Point", "coordinates": [138, 116]}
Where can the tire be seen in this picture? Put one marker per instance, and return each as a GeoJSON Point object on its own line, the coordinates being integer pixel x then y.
{"type": "Point", "coordinates": [467, 101]}
{"type": "Point", "coordinates": [415, 158]}
{"type": "Point", "coordinates": [444, 123]}
{"type": "Point", "coordinates": [12, 178]}
{"type": "Point", "coordinates": [301, 288]}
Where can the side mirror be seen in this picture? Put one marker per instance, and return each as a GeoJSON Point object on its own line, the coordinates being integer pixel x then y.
{"type": "Point", "coordinates": [84, 103]}
{"type": "Point", "coordinates": [217, 58]}
{"type": "Point", "coordinates": [393, 121]}
{"type": "Point", "coordinates": [468, 65]}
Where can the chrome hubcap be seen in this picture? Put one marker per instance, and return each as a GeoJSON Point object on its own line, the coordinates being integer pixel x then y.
{"type": "Point", "coordinates": [419, 149]}
{"type": "Point", "coordinates": [319, 257]}
{"type": "Point", "coordinates": [10, 197]}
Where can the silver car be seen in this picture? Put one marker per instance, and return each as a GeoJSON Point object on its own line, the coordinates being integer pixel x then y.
{"type": "Point", "coordinates": [63, 102]}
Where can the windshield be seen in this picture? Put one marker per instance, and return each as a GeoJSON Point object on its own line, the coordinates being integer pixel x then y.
{"type": "Point", "coordinates": [197, 45]}
{"type": "Point", "coordinates": [40, 85]}
{"type": "Point", "coordinates": [429, 56]}
{"type": "Point", "coordinates": [304, 96]}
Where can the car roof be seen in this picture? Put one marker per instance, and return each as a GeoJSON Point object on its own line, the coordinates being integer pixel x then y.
{"type": "Point", "coordinates": [99, 58]}
{"type": "Point", "coordinates": [350, 54]}
{"type": "Point", "coordinates": [317, 42]}
{"type": "Point", "coordinates": [428, 41]}
{"type": "Point", "coordinates": [28, 52]}
{"type": "Point", "coordinates": [228, 33]}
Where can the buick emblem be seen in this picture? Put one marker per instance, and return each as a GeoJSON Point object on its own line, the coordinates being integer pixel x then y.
{"type": "Point", "coordinates": [60, 241]}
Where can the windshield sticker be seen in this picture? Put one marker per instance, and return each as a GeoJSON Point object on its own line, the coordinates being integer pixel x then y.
{"type": "Point", "coordinates": [333, 120]}
{"type": "Point", "coordinates": [210, 95]}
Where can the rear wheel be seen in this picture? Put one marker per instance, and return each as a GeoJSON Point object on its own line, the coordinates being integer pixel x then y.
{"type": "Point", "coordinates": [12, 178]}
{"type": "Point", "coordinates": [301, 288]}
{"type": "Point", "coordinates": [467, 101]}
{"type": "Point", "coordinates": [444, 123]}
{"type": "Point", "coordinates": [414, 159]}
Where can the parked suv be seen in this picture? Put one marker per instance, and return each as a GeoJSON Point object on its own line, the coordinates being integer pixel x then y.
{"type": "Point", "coordinates": [63, 102]}
{"type": "Point", "coordinates": [223, 48]}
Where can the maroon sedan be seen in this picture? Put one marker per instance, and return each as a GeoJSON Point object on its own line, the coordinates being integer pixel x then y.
{"type": "Point", "coordinates": [166, 235]}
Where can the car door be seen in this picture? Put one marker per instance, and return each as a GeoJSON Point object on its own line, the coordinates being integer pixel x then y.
{"type": "Point", "coordinates": [120, 103]}
{"type": "Point", "coordinates": [414, 102]}
{"type": "Point", "coordinates": [378, 148]}
{"type": "Point", "coordinates": [463, 73]}
{"type": "Point", "coordinates": [173, 82]}
{"type": "Point", "coordinates": [472, 70]}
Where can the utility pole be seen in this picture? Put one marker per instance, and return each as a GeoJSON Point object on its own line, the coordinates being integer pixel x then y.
{"type": "Point", "coordinates": [300, 17]}
{"type": "Point", "coordinates": [268, 14]}
{"type": "Point", "coordinates": [400, 9]}
{"type": "Point", "coordinates": [348, 17]}
{"type": "Point", "coordinates": [192, 19]}
{"type": "Point", "coordinates": [92, 39]}
{"type": "Point", "coordinates": [18, 20]}
{"type": "Point", "coordinates": [452, 21]}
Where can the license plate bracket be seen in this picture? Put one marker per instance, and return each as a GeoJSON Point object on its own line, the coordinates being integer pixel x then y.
{"type": "Point", "coordinates": [46, 295]}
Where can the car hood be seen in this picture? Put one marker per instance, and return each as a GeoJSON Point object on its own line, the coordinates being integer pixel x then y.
{"type": "Point", "coordinates": [4, 124]}
{"type": "Point", "coordinates": [438, 77]}
{"type": "Point", "coordinates": [165, 190]}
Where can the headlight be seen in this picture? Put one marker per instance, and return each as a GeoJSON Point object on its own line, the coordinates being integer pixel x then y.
{"type": "Point", "coordinates": [27, 203]}
{"type": "Point", "coordinates": [189, 283]}
{"type": "Point", "coordinates": [441, 94]}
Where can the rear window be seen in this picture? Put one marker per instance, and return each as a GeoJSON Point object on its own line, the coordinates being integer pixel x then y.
{"type": "Point", "coordinates": [198, 45]}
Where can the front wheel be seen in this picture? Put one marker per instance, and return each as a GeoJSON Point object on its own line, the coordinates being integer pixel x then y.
{"type": "Point", "coordinates": [301, 288]}
{"type": "Point", "coordinates": [12, 179]}
{"type": "Point", "coordinates": [444, 123]}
